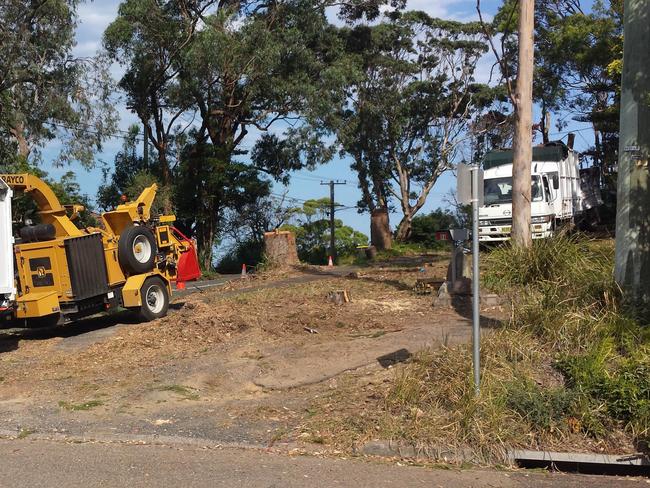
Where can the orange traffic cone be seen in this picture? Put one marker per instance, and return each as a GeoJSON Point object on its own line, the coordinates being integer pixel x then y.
{"type": "Point", "coordinates": [243, 270]}
{"type": "Point", "coordinates": [330, 262]}
{"type": "Point", "coordinates": [180, 285]}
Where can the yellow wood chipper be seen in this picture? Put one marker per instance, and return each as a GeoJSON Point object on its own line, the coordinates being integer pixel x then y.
{"type": "Point", "coordinates": [55, 272]}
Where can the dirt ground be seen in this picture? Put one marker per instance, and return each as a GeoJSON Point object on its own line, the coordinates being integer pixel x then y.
{"type": "Point", "coordinates": [244, 362]}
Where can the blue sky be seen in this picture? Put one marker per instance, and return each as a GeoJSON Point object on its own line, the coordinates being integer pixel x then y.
{"type": "Point", "coordinates": [95, 16]}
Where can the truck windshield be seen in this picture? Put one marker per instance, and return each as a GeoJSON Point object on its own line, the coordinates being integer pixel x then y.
{"type": "Point", "coordinates": [499, 190]}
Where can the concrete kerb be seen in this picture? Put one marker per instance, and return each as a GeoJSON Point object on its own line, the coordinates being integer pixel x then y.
{"type": "Point", "coordinates": [393, 449]}
{"type": "Point", "coordinates": [375, 448]}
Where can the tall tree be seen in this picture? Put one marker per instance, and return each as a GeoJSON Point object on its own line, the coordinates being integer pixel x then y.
{"type": "Point", "coordinates": [406, 116]}
{"type": "Point", "coordinates": [206, 186]}
{"type": "Point", "coordinates": [248, 66]}
{"type": "Point", "coordinates": [577, 65]}
{"type": "Point", "coordinates": [46, 93]}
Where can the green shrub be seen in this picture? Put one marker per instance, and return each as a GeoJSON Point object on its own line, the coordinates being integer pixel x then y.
{"type": "Point", "coordinates": [247, 252]}
{"type": "Point", "coordinates": [543, 409]}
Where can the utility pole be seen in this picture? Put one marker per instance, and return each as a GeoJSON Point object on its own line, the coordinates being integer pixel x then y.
{"type": "Point", "coordinates": [633, 196]}
{"type": "Point", "coordinates": [331, 184]}
{"type": "Point", "coordinates": [523, 141]}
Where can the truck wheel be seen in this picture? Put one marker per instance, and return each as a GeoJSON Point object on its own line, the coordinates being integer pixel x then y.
{"type": "Point", "coordinates": [155, 299]}
{"type": "Point", "coordinates": [136, 250]}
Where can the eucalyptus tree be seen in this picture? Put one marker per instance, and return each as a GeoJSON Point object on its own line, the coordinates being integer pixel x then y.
{"type": "Point", "coordinates": [226, 72]}
{"type": "Point", "coordinates": [407, 115]}
{"type": "Point", "coordinates": [45, 92]}
{"type": "Point", "coordinates": [578, 56]}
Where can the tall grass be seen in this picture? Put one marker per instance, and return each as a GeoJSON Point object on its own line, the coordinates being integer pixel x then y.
{"type": "Point", "coordinates": [563, 292]}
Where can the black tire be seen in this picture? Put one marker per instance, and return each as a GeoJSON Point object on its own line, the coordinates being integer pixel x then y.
{"type": "Point", "coordinates": [155, 299]}
{"type": "Point", "coordinates": [136, 250]}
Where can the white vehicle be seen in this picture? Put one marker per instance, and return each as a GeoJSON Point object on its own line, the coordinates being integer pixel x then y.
{"type": "Point", "coordinates": [556, 196]}
{"type": "Point", "coordinates": [7, 290]}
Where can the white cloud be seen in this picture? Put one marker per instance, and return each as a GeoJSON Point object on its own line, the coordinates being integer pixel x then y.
{"type": "Point", "coordinates": [435, 8]}
{"type": "Point", "coordinates": [97, 14]}
{"type": "Point", "coordinates": [86, 48]}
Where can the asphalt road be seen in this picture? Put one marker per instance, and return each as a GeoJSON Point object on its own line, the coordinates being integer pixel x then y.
{"type": "Point", "coordinates": [197, 286]}
{"type": "Point", "coordinates": [31, 463]}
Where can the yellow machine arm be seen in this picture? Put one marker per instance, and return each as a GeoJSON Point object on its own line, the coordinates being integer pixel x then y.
{"type": "Point", "coordinates": [50, 209]}
{"type": "Point", "coordinates": [129, 213]}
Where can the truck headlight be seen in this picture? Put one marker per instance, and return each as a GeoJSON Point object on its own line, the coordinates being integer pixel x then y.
{"type": "Point", "coordinates": [541, 219]}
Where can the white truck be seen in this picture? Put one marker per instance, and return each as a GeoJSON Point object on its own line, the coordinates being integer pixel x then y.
{"type": "Point", "coordinates": [7, 290]}
{"type": "Point", "coordinates": [557, 198]}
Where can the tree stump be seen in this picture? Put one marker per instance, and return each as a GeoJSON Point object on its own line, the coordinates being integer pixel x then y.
{"type": "Point", "coordinates": [339, 297]}
{"type": "Point", "coordinates": [280, 248]}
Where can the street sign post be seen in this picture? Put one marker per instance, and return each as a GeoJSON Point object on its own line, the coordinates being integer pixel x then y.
{"type": "Point", "coordinates": [470, 190]}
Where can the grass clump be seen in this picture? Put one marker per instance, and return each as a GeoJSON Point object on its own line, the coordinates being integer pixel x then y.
{"type": "Point", "coordinates": [75, 407]}
{"type": "Point", "coordinates": [185, 392]}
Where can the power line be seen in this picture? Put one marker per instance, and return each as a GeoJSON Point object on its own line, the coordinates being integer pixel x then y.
{"type": "Point", "coordinates": [137, 138]}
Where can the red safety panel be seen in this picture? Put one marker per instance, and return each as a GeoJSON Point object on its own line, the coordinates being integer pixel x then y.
{"type": "Point", "coordinates": [188, 263]}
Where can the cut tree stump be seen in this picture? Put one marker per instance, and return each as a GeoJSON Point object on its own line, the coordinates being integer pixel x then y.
{"type": "Point", "coordinates": [339, 297]}
{"type": "Point", "coordinates": [280, 248]}
{"type": "Point", "coordinates": [426, 286]}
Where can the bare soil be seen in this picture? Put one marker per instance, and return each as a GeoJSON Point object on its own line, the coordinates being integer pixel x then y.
{"type": "Point", "coordinates": [246, 362]}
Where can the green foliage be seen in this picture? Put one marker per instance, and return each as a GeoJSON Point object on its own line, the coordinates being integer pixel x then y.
{"type": "Point", "coordinates": [424, 227]}
{"type": "Point", "coordinates": [247, 65]}
{"type": "Point", "coordinates": [45, 93]}
{"type": "Point", "coordinates": [543, 409]}
{"type": "Point", "coordinates": [410, 93]}
{"type": "Point", "coordinates": [577, 61]}
{"type": "Point", "coordinates": [207, 184]}
{"type": "Point", "coordinates": [250, 252]}
{"type": "Point", "coordinates": [312, 232]}
{"type": "Point", "coordinates": [563, 291]}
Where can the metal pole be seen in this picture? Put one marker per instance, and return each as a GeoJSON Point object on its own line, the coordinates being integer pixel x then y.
{"type": "Point", "coordinates": [476, 329]}
{"type": "Point", "coordinates": [332, 223]}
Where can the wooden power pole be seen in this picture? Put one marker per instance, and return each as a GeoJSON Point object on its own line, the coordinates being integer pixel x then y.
{"type": "Point", "coordinates": [331, 184]}
{"type": "Point", "coordinates": [523, 142]}
{"type": "Point", "coordinates": [633, 196]}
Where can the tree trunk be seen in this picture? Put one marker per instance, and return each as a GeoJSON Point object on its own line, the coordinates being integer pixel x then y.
{"type": "Point", "coordinates": [23, 147]}
{"type": "Point", "coordinates": [523, 143]}
{"type": "Point", "coordinates": [632, 268]}
{"type": "Point", "coordinates": [380, 235]}
{"type": "Point", "coordinates": [404, 228]}
{"type": "Point", "coordinates": [205, 243]}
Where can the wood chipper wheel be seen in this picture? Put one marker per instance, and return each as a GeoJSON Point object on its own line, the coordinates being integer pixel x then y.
{"type": "Point", "coordinates": [155, 299]}
{"type": "Point", "coordinates": [136, 250]}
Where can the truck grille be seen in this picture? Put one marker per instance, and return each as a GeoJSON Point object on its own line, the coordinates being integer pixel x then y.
{"type": "Point", "coordinates": [500, 222]}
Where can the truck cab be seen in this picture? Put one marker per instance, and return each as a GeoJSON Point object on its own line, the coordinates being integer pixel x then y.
{"type": "Point", "coordinates": [555, 192]}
